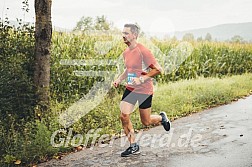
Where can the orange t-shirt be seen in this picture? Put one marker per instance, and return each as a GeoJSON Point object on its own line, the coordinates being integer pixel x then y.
{"type": "Point", "coordinates": [137, 62]}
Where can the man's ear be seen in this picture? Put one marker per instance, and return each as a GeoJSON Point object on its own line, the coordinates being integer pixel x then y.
{"type": "Point", "coordinates": [135, 35]}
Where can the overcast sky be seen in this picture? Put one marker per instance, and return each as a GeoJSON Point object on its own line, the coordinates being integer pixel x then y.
{"type": "Point", "coordinates": [151, 15]}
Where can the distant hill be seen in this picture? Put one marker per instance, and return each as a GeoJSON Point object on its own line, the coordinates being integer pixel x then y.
{"type": "Point", "coordinates": [221, 32]}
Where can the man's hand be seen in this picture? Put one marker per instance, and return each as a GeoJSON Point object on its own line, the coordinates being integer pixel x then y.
{"type": "Point", "coordinates": [116, 82]}
{"type": "Point", "coordinates": [136, 81]}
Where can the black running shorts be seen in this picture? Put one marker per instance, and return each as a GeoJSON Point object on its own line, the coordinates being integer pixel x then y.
{"type": "Point", "coordinates": [144, 100]}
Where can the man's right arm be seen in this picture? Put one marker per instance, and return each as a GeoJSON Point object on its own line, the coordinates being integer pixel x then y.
{"type": "Point", "coordinates": [120, 78]}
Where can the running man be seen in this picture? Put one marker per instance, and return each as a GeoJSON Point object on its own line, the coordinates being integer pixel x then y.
{"type": "Point", "coordinates": [141, 66]}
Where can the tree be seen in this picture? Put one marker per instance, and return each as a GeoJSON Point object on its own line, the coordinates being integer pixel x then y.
{"type": "Point", "coordinates": [174, 38]}
{"type": "Point", "coordinates": [237, 39]}
{"type": "Point", "coordinates": [85, 23]}
{"type": "Point", "coordinates": [199, 39]}
{"type": "Point", "coordinates": [88, 23]}
{"type": "Point", "coordinates": [188, 37]}
{"type": "Point", "coordinates": [101, 23]}
{"type": "Point", "coordinates": [43, 35]}
{"type": "Point", "coordinates": [208, 37]}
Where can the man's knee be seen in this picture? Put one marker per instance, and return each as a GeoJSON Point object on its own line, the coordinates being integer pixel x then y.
{"type": "Point", "coordinates": [146, 122]}
{"type": "Point", "coordinates": [124, 118]}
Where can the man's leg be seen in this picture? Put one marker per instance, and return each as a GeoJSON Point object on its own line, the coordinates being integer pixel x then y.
{"type": "Point", "coordinates": [126, 109]}
{"type": "Point", "coordinates": [148, 119]}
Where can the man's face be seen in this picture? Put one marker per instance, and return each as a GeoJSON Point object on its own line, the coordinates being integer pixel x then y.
{"type": "Point", "coordinates": [128, 36]}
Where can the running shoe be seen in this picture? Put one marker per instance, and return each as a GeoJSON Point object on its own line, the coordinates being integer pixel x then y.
{"type": "Point", "coordinates": [131, 151]}
{"type": "Point", "coordinates": [165, 121]}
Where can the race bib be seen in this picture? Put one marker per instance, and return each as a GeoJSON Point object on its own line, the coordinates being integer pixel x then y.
{"type": "Point", "coordinates": [131, 76]}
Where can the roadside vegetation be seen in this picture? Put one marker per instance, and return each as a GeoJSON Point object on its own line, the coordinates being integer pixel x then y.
{"type": "Point", "coordinates": [215, 73]}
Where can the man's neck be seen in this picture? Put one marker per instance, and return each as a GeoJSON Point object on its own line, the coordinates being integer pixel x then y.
{"type": "Point", "coordinates": [133, 44]}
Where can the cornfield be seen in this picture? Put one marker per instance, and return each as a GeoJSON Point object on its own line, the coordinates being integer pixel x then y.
{"type": "Point", "coordinates": [180, 60]}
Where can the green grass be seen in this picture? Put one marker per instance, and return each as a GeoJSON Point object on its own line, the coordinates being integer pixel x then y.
{"type": "Point", "coordinates": [177, 99]}
{"type": "Point", "coordinates": [189, 96]}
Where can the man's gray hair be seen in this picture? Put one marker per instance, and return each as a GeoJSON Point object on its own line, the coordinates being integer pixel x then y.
{"type": "Point", "coordinates": [133, 28]}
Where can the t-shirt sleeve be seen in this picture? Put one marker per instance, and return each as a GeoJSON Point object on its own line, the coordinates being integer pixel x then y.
{"type": "Point", "coordinates": [148, 57]}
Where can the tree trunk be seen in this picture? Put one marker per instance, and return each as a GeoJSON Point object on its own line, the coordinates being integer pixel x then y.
{"type": "Point", "coordinates": [43, 35]}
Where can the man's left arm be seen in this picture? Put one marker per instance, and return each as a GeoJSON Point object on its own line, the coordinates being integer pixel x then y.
{"type": "Point", "coordinates": [151, 63]}
{"type": "Point", "coordinates": [156, 69]}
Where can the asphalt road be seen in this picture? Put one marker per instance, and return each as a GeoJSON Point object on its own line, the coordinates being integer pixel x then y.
{"type": "Point", "coordinates": [218, 137]}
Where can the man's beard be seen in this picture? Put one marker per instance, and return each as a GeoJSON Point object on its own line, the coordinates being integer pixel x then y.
{"type": "Point", "coordinates": [126, 41]}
